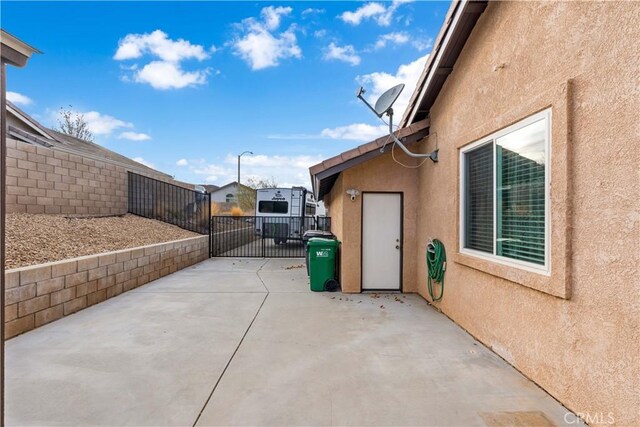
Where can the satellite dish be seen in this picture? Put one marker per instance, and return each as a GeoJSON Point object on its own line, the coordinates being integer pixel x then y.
{"type": "Point", "coordinates": [383, 106]}
{"type": "Point", "coordinates": [384, 103]}
{"type": "Point", "coordinates": [387, 99]}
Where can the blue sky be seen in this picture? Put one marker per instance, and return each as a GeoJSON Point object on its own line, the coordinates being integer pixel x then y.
{"type": "Point", "coordinates": [187, 86]}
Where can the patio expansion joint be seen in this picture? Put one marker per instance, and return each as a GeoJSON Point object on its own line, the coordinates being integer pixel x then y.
{"type": "Point", "coordinates": [215, 386]}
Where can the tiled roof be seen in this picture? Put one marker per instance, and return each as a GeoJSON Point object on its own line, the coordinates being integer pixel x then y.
{"type": "Point", "coordinates": [324, 175]}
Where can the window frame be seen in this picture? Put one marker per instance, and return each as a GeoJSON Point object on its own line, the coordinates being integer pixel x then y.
{"type": "Point", "coordinates": [273, 204]}
{"type": "Point", "coordinates": [491, 139]}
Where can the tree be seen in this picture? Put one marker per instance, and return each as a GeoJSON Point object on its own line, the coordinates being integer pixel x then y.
{"type": "Point", "coordinates": [262, 183]}
{"type": "Point", "coordinates": [247, 192]}
{"type": "Point", "coordinates": [74, 124]}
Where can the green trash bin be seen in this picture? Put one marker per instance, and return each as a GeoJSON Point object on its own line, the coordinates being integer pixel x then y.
{"type": "Point", "coordinates": [322, 254]}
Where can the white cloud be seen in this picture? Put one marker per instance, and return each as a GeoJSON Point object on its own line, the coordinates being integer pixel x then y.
{"type": "Point", "coordinates": [272, 16]}
{"type": "Point", "coordinates": [396, 38]}
{"type": "Point", "coordinates": [319, 33]}
{"type": "Point", "coordinates": [262, 160]}
{"type": "Point", "coordinates": [211, 170]}
{"type": "Point", "coordinates": [134, 136]}
{"type": "Point", "coordinates": [352, 132]}
{"type": "Point", "coordinates": [377, 83]}
{"type": "Point", "coordinates": [19, 99]}
{"type": "Point", "coordinates": [157, 43]}
{"type": "Point", "coordinates": [311, 10]}
{"type": "Point", "coordinates": [182, 162]}
{"type": "Point", "coordinates": [342, 53]}
{"type": "Point", "coordinates": [166, 72]}
{"type": "Point", "coordinates": [101, 124]}
{"type": "Point", "coordinates": [144, 162]}
{"type": "Point", "coordinates": [260, 46]}
{"type": "Point", "coordinates": [423, 44]}
{"type": "Point", "coordinates": [367, 11]}
{"type": "Point", "coordinates": [377, 12]}
{"type": "Point", "coordinates": [355, 132]}
{"type": "Point", "coordinates": [286, 170]}
{"type": "Point", "coordinates": [168, 75]}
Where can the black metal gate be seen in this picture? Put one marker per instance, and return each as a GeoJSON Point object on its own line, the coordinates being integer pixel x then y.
{"type": "Point", "coordinates": [229, 236]}
{"type": "Point", "coordinates": [262, 236]}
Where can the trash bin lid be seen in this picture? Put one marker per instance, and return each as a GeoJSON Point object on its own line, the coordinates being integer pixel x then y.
{"type": "Point", "coordinates": [317, 233]}
{"type": "Point", "coordinates": [319, 241]}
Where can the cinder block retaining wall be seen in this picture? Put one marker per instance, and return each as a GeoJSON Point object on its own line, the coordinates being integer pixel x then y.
{"type": "Point", "coordinates": [42, 293]}
{"type": "Point", "coordinates": [52, 181]}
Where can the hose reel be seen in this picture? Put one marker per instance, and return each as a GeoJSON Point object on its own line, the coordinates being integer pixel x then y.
{"type": "Point", "coordinates": [436, 266]}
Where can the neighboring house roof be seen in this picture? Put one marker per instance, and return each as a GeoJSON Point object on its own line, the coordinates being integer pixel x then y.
{"type": "Point", "coordinates": [91, 149]}
{"type": "Point", "coordinates": [25, 136]}
{"type": "Point", "coordinates": [325, 174]}
{"type": "Point", "coordinates": [28, 120]}
{"type": "Point", "coordinates": [459, 22]}
{"type": "Point", "coordinates": [59, 141]}
{"type": "Point", "coordinates": [230, 185]}
{"type": "Point", "coordinates": [225, 186]}
{"type": "Point", "coordinates": [210, 188]}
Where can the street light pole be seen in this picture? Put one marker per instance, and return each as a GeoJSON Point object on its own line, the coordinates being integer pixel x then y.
{"type": "Point", "coordinates": [240, 155]}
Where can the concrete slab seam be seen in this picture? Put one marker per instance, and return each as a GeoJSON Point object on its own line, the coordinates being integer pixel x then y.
{"type": "Point", "coordinates": [215, 386]}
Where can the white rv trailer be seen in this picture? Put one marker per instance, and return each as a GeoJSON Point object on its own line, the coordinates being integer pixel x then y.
{"type": "Point", "coordinates": [285, 213]}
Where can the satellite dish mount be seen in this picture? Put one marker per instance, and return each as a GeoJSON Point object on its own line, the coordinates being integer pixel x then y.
{"type": "Point", "coordinates": [384, 106]}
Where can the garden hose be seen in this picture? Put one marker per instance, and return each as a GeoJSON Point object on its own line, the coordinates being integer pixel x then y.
{"type": "Point", "coordinates": [436, 265]}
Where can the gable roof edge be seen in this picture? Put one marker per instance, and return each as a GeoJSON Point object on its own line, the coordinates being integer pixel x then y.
{"type": "Point", "coordinates": [28, 120]}
{"type": "Point", "coordinates": [461, 19]}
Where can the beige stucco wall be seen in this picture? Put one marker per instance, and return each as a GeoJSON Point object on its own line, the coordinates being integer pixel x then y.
{"type": "Point", "coordinates": [582, 60]}
{"type": "Point", "coordinates": [576, 332]}
{"type": "Point", "coordinates": [381, 174]}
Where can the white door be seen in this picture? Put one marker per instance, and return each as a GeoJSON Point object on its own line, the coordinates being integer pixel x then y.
{"type": "Point", "coordinates": [381, 240]}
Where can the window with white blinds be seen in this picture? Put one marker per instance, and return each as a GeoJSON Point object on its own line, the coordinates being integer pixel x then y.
{"type": "Point", "coordinates": [505, 194]}
{"type": "Point", "coordinates": [479, 199]}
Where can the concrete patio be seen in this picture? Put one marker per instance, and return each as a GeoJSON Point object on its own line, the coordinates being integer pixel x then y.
{"type": "Point", "coordinates": [243, 342]}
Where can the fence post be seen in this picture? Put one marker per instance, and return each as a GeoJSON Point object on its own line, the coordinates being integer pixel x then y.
{"type": "Point", "coordinates": [210, 223]}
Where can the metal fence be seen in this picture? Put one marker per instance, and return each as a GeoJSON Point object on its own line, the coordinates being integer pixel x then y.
{"type": "Point", "coordinates": [262, 237]}
{"type": "Point", "coordinates": [151, 198]}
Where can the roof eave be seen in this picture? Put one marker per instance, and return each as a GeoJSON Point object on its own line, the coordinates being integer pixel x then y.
{"type": "Point", "coordinates": [459, 24]}
{"type": "Point", "coordinates": [324, 175]}
{"type": "Point", "coordinates": [15, 51]}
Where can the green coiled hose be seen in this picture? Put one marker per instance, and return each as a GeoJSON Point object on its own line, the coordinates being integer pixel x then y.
{"type": "Point", "coordinates": [436, 265]}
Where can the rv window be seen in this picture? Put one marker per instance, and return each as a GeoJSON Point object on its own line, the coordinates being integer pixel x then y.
{"type": "Point", "coordinates": [273, 207]}
{"type": "Point", "coordinates": [310, 211]}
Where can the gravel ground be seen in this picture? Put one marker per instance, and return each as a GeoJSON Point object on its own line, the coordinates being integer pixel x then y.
{"type": "Point", "coordinates": [36, 239]}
